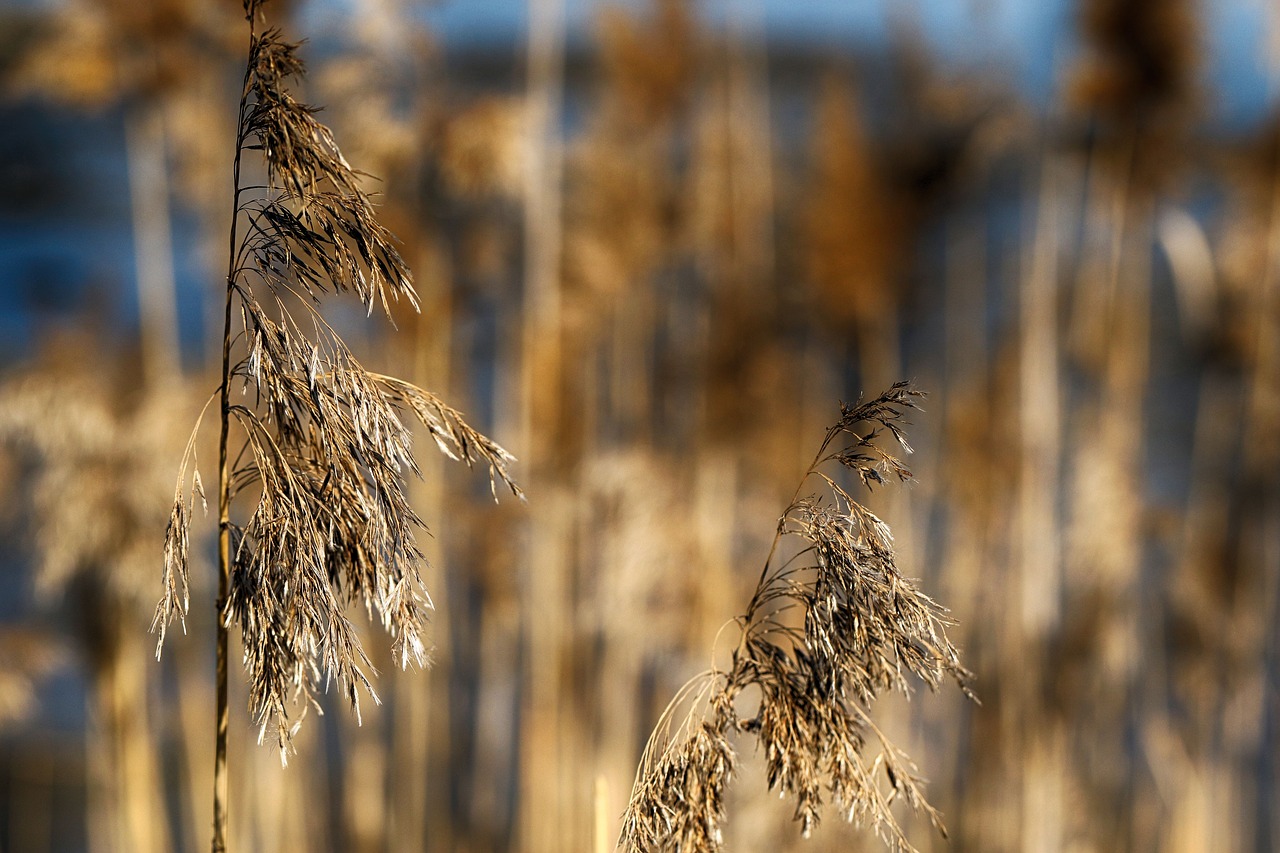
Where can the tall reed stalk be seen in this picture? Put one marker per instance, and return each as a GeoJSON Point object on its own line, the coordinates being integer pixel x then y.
{"type": "Point", "coordinates": [321, 446]}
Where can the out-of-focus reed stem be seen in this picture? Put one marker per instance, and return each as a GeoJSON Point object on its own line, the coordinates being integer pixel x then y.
{"type": "Point", "coordinates": [1039, 571]}
{"type": "Point", "coordinates": [145, 146]}
{"type": "Point", "coordinates": [420, 735]}
{"type": "Point", "coordinates": [1040, 412]}
{"type": "Point", "coordinates": [541, 820]}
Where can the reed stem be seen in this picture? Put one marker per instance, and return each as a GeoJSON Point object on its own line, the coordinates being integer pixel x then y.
{"type": "Point", "coordinates": [224, 489]}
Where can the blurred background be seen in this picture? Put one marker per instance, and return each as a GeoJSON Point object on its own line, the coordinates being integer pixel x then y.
{"type": "Point", "coordinates": [657, 243]}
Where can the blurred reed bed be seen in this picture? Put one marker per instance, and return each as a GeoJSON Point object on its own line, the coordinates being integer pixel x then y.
{"type": "Point", "coordinates": [88, 443]}
{"type": "Point", "coordinates": [652, 270]}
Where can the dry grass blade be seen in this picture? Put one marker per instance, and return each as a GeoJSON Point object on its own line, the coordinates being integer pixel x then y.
{"type": "Point", "coordinates": [827, 631]}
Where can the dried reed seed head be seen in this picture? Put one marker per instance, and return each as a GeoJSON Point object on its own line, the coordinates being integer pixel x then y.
{"type": "Point", "coordinates": [827, 631]}
{"type": "Point", "coordinates": [319, 231]}
{"type": "Point", "coordinates": [679, 801]}
{"type": "Point", "coordinates": [97, 483]}
{"type": "Point", "coordinates": [90, 54]}
{"type": "Point", "coordinates": [860, 613]}
{"type": "Point", "coordinates": [332, 525]}
{"type": "Point", "coordinates": [325, 448]}
{"type": "Point", "coordinates": [299, 151]}
{"type": "Point", "coordinates": [621, 217]}
{"type": "Point", "coordinates": [1142, 57]}
{"type": "Point", "coordinates": [70, 62]}
{"type": "Point", "coordinates": [482, 148]}
{"type": "Point", "coordinates": [1243, 249]}
{"type": "Point", "coordinates": [649, 66]}
{"type": "Point", "coordinates": [857, 226]}
{"type": "Point", "coordinates": [1136, 87]}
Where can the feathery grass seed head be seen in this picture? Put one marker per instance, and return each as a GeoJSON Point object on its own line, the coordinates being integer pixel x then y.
{"type": "Point", "coordinates": [314, 498]}
{"type": "Point", "coordinates": [826, 632]}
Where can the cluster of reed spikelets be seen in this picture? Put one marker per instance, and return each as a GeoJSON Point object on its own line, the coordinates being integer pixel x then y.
{"type": "Point", "coordinates": [656, 314]}
{"type": "Point", "coordinates": [832, 624]}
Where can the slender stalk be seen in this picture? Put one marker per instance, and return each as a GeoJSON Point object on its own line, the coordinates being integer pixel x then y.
{"type": "Point", "coordinates": [224, 493]}
{"type": "Point", "coordinates": [224, 574]}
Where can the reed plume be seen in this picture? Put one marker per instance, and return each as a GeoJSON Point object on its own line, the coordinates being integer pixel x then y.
{"type": "Point", "coordinates": [1141, 58]}
{"type": "Point", "coordinates": [830, 627]}
{"type": "Point", "coordinates": [321, 444]}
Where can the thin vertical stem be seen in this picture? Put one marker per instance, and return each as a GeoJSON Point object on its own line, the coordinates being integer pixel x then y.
{"type": "Point", "coordinates": [224, 577]}
{"type": "Point", "coordinates": [224, 489]}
